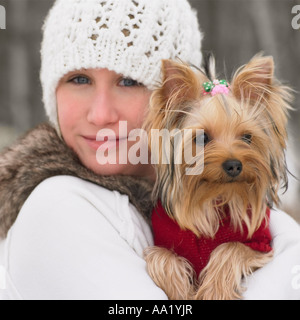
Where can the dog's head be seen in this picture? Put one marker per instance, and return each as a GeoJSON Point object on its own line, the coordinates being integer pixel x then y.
{"type": "Point", "coordinates": [215, 146]}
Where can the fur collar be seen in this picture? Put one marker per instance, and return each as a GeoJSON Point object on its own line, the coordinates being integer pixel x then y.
{"type": "Point", "coordinates": [41, 154]}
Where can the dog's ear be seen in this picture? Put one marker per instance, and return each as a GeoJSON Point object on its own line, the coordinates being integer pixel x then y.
{"type": "Point", "coordinates": [254, 81]}
{"type": "Point", "coordinates": [256, 85]}
{"type": "Point", "coordinates": [180, 82]}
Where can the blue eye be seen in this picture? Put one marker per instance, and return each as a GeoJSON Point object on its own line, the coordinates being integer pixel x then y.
{"type": "Point", "coordinates": [129, 83]}
{"type": "Point", "coordinates": [80, 80]}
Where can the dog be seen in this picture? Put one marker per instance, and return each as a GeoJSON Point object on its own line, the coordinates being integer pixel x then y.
{"type": "Point", "coordinates": [211, 228]}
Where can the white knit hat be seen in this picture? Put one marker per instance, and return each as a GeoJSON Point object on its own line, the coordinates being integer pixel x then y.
{"type": "Point", "coordinates": [130, 37]}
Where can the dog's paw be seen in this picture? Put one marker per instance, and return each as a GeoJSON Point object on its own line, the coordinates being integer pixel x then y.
{"type": "Point", "coordinates": [172, 273]}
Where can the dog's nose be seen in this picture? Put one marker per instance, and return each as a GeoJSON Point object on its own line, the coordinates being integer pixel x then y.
{"type": "Point", "coordinates": [233, 167]}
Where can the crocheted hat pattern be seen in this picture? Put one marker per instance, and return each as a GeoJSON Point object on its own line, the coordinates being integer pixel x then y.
{"type": "Point", "coordinates": [130, 37]}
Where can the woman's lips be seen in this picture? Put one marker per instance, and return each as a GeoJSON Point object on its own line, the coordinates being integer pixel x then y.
{"type": "Point", "coordinates": [106, 142]}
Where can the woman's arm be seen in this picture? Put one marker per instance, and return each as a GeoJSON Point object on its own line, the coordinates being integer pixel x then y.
{"type": "Point", "coordinates": [75, 240]}
{"type": "Point", "coordinates": [280, 279]}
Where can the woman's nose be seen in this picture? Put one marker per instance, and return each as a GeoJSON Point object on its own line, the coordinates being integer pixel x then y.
{"type": "Point", "coordinates": [103, 110]}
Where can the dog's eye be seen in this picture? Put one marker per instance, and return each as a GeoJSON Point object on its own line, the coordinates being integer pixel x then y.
{"type": "Point", "coordinates": [247, 138]}
{"type": "Point", "coordinates": [202, 139]}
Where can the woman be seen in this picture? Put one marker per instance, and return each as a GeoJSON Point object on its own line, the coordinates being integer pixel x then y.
{"type": "Point", "coordinates": [74, 239]}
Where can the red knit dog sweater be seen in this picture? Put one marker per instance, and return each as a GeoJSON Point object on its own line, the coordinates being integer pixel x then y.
{"type": "Point", "coordinates": [185, 243]}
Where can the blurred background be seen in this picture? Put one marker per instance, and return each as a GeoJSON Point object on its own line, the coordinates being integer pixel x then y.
{"type": "Point", "coordinates": [234, 31]}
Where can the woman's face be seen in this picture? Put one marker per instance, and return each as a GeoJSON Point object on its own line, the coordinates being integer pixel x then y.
{"type": "Point", "coordinates": [95, 99]}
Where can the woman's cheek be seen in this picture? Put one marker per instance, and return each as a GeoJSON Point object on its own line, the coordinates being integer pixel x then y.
{"type": "Point", "coordinates": [68, 110]}
{"type": "Point", "coordinates": [138, 109]}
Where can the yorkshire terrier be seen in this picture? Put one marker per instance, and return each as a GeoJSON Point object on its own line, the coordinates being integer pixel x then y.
{"type": "Point", "coordinates": [211, 228]}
